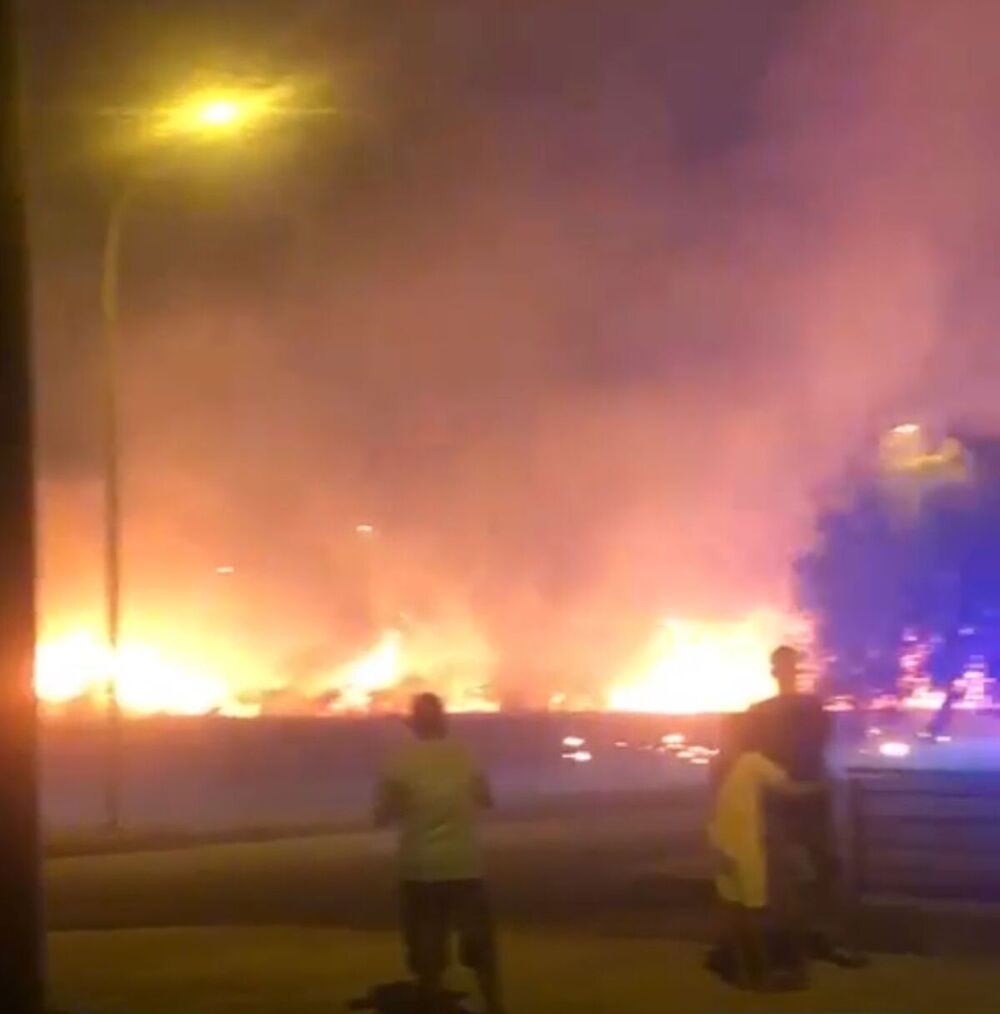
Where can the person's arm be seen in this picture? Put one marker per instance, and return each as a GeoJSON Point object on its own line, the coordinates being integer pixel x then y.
{"type": "Point", "coordinates": [388, 802]}
{"type": "Point", "coordinates": [777, 780]}
{"type": "Point", "coordinates": [826, 728]}
{"type": "Point", "coordinates": [824, 734]}
{"type": "Point", "coordinates": [799, 790]}
{"type": "Point", "coordinates": [483, 791]}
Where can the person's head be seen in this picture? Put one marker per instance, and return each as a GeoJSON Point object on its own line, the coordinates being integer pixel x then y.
{"type": "Point", "coordinates": [428, 718]}
{"type": "Point", "coordinates": [785, 668]}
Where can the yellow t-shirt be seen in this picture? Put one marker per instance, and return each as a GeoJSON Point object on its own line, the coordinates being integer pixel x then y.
{"type": "Point", "coordinates": [439, 786]}
{"type": "Point", "coordinates": [737, 828]}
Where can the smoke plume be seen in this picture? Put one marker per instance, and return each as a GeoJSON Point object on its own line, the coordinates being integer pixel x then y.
{"type": "Point", "coordinates": [584, 306]}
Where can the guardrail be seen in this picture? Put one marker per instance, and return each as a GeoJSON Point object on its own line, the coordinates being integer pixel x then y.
{"type": "Point", "coordinates": [924, 834]}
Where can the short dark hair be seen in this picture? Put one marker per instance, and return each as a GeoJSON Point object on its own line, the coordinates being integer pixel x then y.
{"type": "Point", "coordinates": [428, 716]}
{"type": "Point", "coordinates": [785, 654]}
{"type": "Point", "coordinates": [785, 666]}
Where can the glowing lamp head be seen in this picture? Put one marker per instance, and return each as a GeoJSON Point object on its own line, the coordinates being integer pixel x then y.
{"type": "Point", "coordinates": [219, 113]}
{"type": "Point", "coordinates": [215, 114]}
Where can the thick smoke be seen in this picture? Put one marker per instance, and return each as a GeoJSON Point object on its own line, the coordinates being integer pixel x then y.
{"type": "Point", "coordinates": [585, 309]}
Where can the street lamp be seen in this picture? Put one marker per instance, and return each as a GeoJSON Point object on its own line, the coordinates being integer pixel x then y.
{"type": "Point", "coordinates": [212, 113]}
{"type": "Point", "coordinates": [206, 116]}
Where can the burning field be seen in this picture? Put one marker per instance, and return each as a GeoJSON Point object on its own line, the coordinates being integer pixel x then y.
{"type": "Point", "coordinates": [685, 667]}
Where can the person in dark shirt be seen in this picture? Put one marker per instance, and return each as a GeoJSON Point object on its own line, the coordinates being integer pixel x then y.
{"type": "Point", "coordinates": [793, 730]}
{"type": "Point", "coordinates": [792, 724]}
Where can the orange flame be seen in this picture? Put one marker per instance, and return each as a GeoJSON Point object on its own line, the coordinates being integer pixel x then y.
{"type": "Point", "coordinates": [687, 667]}
{"type": "Point", "coordinates": [77, 667]}
{"type": "Point", "coordinates": [155, 676]}
{"type": "Point", "coordinates": [699, 666]}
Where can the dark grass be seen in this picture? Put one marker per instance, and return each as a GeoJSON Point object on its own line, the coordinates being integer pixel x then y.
{"type": "Point", "coordinates": [60, 843]}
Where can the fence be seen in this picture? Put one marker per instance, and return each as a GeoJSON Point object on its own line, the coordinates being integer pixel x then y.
{"type": "Point", "coordinates": [924, 834]}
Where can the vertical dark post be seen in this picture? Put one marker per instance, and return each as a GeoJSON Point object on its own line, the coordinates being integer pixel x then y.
{"type": "Point", "coordinates": [858, 847]}
{"type": "Point", "coordinates": [113, 503]}
{"type": "Point", "coordinates": [21, 980]}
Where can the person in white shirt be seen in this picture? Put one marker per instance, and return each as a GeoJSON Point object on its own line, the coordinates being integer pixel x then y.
{"type": "Point", "coordinates": [433, 790]}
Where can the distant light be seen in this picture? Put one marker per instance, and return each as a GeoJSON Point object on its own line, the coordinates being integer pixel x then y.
{"type": "Point", "coordinates": [942, 739]}
{"type": "Point", "coordinates": [621, 744]}
{"type": "Point", "coordinates": [686, 754]}
{"type": "Point", "coordinates": [579, 756]}
{"type": "Point", "coordinates": [885, 702]}
{"type": "Point", "coordinates": [699, 760]}
{"type": "Point", "coordinates": [673, 739]}
{"type": "Point", "coordinates": [573, 742]}
{"type": "Point", "coordinates": [906, 429]}
{"type": "Point", "coordinates": [924, 700]}
{"type": "Point", "coordinates": [893, 748]}
{"type": "Point", "coordinates": [225, 570]}
{"type": "Point", "coordinates": [365, 529]}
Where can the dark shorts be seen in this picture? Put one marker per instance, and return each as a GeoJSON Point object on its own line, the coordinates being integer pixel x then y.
{"type": "Point", "coordinates": [432, 911]}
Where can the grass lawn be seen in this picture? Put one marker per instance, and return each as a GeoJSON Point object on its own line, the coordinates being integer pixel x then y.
{"type": "Point", "coordinates": [294, 970]}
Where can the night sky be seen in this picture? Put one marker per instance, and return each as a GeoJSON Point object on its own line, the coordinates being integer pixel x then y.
{"type": "Point", "coordinates": [586, 305]}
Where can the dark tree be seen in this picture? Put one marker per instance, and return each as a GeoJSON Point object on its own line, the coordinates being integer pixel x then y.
{"type": "Point", "coordinates": [853, 583]}
{"type": "Point", "coordinates": [874, 572]}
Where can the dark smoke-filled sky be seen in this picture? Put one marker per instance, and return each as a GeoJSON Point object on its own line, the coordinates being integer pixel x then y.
{"type": "Point", "coordinates": [584, 303]}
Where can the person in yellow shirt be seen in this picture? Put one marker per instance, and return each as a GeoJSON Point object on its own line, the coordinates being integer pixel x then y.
{"type": "Point", "coordinates": [737, 833]}
{"type": "Point", "coordinates": [433, 791]}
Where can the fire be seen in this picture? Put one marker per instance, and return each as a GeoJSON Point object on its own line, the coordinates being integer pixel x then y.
{"type": "Point", "coordinates": [688, 666]}
{"type": "Point", "coordinates": [699, 666]}
{"type": "Point", "coordinates": [158, 675]}
{"type": "Point", "coordinates": [454, 662]}
{"type": "Point", "coordinates": [356, 683]}
{"type": "Point", "coordinates": [76, 667]}
{"type": "Point", "coordinates": [69, 668]}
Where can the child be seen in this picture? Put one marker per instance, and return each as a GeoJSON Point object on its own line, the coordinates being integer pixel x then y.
{"type": "Point", "coordinates": [737, 832]}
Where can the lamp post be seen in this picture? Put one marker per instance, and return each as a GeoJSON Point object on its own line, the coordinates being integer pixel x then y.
{"type": "Point", "coordinates": [206, 117]}
{"type": "Point", "coordinates": [112, 495]}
